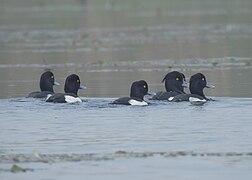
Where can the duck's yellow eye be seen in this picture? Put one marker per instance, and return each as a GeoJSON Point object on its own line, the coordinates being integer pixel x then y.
{"type": "Point", "coordinates": [145, 86]}
{"type": "Point", "coordinates": [177, 79]}
{"type": "Point", "coordinates": [78, 80]}
{"type": "Point", "coordinates": [203, 79]}
{"type": "Point", "coordinates": [52, 77]}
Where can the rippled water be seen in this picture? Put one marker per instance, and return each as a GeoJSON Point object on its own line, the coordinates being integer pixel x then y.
{"type": "Point", "coordinates": [102, 140]}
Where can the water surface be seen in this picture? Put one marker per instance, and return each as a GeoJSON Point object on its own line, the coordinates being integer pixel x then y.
{"type": "Point", "coordinates": [102, 140]}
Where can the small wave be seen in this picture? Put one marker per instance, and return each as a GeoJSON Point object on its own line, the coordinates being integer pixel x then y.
{"type": "Point", "coordinates": [54, 158]}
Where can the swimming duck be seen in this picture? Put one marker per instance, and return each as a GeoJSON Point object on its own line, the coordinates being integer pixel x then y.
{"type": "Point", "coordinates": [174, 85]}
{"type": "Point", "coordinates": [138, 90]}
{"type": "Point", "coordinates": [72, 85]}
{"type": "Point", "coordinates": [197, 84]}
{"type": "Point", "coordinates": [46, 86]}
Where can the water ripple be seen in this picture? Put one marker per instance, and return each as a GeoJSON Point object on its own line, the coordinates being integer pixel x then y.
{"type": "Point", "coordinates": [55, 158]}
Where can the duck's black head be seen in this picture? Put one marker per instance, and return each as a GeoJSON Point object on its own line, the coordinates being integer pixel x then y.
{"type": "Point", "coordinates": [72, 84]}
{"type": "Point", "coordinates": [47, 81]}
{"type": "Point", "coordinates": [175, 82]}
{"type": "Point", "coordinates": [198, 83]}
{"type": "Point", "coordinates": [139, 89]}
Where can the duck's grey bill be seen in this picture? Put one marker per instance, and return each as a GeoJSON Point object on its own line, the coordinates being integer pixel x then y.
{"type": "Point", "coordinates": [185, 84]}
{"type": "Point", "coordinates": [151, 93]}
{"type": "Point", "coordinates": [56, 83]}
{"type": "Point", "coordinates": [210, 86]}
{"type": "Point", "coordinates": [82, 87]}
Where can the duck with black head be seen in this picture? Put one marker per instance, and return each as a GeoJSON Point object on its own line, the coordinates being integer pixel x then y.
{"type": "Point", "coordinates": [197, 83]}
{"type": "Point", "coordinates": [46, 86]}
{"type": "Point", "coordinates": [72, 85]}
{"type": "Point", "coordinates": [174, 84]}
{"type": "Point", "coordinates": [137, 92]}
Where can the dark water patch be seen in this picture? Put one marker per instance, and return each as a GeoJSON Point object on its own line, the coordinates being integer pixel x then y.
{"type": "Point", "coordinates": [170, 64]}
{"type": "Point", "coordinates": [57, 158]}
{"type": "Point", "coordinates": [207, 12]}
{"type": "Point", "coordinates": [94, 40]}
{"type": "Point", "coordinates": [165, 65]}
{"type": "Point", "coordinates": [128, 36]}
{"type": "Point", "coordinates": [37, 65]}
{"type": "Point", "coordinates": [16, 169]}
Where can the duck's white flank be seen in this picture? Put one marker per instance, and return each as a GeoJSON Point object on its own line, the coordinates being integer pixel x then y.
{"type": "Point", "coordinates": [137, 103]}
{"type": "Point", "coordinates": [71, 99]}
{"type": "Point", "coordinates": [48, 96]}
{"type": "Point", "coordinates": [193, 99]}
{"type": "Point", "coordinates": [170, 98]}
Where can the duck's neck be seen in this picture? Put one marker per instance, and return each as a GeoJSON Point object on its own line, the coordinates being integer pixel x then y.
{"type": "Point", "coordinates": [70, 90]}
{"type": "Point", "coordinates": [137, 95]}
{"type": "Point", "coordinates": [197, 91]}
{"type": "Point", "coordinates": [170, 88]}
{"type": "Point", "coordinates": [46, 88]}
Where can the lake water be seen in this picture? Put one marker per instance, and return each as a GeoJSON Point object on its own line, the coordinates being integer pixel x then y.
{"type": "Point", "coordinates": [110, 44]}
{"type": "Point", "coordinates": [99, 140]}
